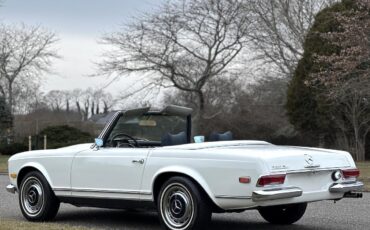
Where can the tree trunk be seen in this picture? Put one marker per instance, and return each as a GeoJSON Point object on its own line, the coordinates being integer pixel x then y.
{"type": "Point", "coordinates": [106, 109]}
{"type": "Point", "coordinates": [67, 106]}
{"type": "Point", "coordinates": [79, 108]}
{"type": "Point", "coordinates": [97, 108]}
{"type": "Point", "coordinates": [361, 150]}
{"type": "Point", "coordinates": [198, 121]}
{"type": "Point", "coordinates": [10, 96]}
{"type": "Point", "coordinates": [92, 108]}
{"type": "Point", "coordinates": [10, 105]}
{"type": "Point", "coordinates": [358, 147]}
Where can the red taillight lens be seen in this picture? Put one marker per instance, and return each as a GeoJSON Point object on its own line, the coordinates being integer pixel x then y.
{"type": "Point", "coordinates": [271, 180]}
{"type": "Point", "coordinates": [351, 173]}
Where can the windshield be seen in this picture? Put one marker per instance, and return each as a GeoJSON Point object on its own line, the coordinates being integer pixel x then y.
{"type": "Point", "coordinates": [148, 127]}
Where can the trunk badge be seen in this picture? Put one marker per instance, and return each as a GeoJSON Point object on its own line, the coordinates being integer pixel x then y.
{"type": "Point", "coordinates": [310, 162]}
{"type": "Point", "coordinates": [276, 167]}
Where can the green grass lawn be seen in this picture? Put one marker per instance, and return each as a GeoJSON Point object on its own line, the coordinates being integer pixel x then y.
{"type": "Point", "coordinates": [365, 173]}
{"type": "Point", "coordinates": [6, 224]}
{"type": "Point", "coordinates": [4, 164]}
{"type": "Point", "coordinates": [363, 166]}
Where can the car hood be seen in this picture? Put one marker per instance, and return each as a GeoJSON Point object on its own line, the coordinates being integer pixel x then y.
{"type": "Point", "coordinates": [51, 152]}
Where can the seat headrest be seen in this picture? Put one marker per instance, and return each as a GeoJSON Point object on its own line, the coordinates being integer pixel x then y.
{"type": "Point", "coordinates": [227, 136]}
{"type": "Point", "coordinates": [174, 139]}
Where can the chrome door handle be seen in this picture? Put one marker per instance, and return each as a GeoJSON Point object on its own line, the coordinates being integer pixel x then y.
{"type": "Point", "coordinates": [138, 161]}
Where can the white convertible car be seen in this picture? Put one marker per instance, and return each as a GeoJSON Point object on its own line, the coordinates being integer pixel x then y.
{"type": "Point", "coordinates": [145, 159]}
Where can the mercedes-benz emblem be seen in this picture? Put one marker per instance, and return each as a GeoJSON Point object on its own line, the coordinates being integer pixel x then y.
{"type": "Point", "coordinates": [309, 159]}
{"type": "Point", "coordinates": [176, 206]}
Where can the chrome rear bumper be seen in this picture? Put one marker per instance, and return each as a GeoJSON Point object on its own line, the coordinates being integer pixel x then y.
{"type": "Point", "coordinates": [346, 187]}
{"type": "Point", "coordinates": [291, 192]}
{"type": "Point", "coordinates": [11, 188]}
{"type": "Point", "coordinates": [276, 193]}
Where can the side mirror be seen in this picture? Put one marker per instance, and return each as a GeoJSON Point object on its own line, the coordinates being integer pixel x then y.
{"type": "Point", "coordinates": [99, 142]}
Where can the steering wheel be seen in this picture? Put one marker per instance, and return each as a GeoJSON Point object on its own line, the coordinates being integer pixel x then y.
{"type": "Point", "coordinates": [136, 144]}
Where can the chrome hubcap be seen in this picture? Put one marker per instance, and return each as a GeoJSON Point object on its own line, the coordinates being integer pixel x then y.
{"type": "Point", "coordinates": [177, 206]}
{"type": "Point", "coordinates": [32, 196]}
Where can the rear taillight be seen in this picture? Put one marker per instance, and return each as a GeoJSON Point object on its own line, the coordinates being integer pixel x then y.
{"type": "Point", "coordinates": [351, 173]}
{"type": "Point", "coordinates": [271, 180]}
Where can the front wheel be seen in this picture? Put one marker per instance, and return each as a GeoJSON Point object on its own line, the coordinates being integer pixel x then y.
{"type": "Point", "coordinates": [182, 205]}
{"type": "Point", "coordinates": [284, 214]}
{"type": "Point", "coordinates": [36, 199]}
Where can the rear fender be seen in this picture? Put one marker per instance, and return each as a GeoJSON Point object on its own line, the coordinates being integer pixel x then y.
{"type": "Point", "coordinates": [188, 172]}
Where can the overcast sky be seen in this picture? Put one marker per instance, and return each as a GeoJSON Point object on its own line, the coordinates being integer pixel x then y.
{"type": "Point", "coordinates": [79, 24]}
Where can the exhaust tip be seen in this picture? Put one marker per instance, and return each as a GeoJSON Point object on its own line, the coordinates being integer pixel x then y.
{"type": "Point", "coordinates": [353, 195]}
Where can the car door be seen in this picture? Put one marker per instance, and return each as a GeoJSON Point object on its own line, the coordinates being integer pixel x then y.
{"type": "Point", "coordinates": [108, 172]}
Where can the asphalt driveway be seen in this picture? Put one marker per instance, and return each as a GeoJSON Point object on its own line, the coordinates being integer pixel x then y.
{"type": "Point", "coordinates": [345, 214]}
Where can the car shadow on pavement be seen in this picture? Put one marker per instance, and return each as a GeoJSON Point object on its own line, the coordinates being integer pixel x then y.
{"type": "Point", "coordinates": [113, 219]}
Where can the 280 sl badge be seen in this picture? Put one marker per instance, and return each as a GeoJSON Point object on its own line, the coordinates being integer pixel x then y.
{"type": "Point", "coordinates": [275, 167]}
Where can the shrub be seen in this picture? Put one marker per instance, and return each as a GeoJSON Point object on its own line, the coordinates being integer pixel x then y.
{"type": "Point", "coordinates": [64, 135]}
{"type": "Point", "coordinates": [13, 149]}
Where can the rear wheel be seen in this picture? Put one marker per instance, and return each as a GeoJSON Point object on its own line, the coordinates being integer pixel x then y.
{"type": "Point", "coordinates": [36, 199]}
{"type": "Point", "coordinates": [284, 214]}
{"type": "Point", "coordinates": [182, 205]}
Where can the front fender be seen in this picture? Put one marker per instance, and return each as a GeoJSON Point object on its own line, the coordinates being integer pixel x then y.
{"type": "Point", "coordinates": [38, 167]}
{"type": "Point", "coordinates": [188, 172]}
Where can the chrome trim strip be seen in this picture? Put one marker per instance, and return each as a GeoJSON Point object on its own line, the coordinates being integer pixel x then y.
{"type": "Point", "coordinates": [276, 193]}
{"type": "Point", "coordinates": [61, 189]}
{"type": "Point", "coordinates": [233, 197]}
{"type": "Point", "coordinates": [312, 166]}
{"type": "Point", "coordinates": [146, 193]}
{"type": "Point", "coordinates": [107, 127]}
{"type": "Point", "coordinates": [102, 191]}
{"type": "Point", "coordinates": [108, 198]}
{"type": "Point", "coordinates": [346, 187]}
{"type": "Point", "coordinates": [310, 170]}
{"type": "Point", "coordinates": [11, 188]}
{"type": "Point", "coordinates": [105, 191]}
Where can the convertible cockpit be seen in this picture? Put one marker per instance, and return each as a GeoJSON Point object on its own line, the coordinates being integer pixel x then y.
{"type": "Point", "coordinates": [148, 127]}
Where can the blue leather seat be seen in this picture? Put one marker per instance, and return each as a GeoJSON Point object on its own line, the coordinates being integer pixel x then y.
{"type": "Point", "coordinates": [227, 136]}
{"type": "Point", "coordinates": [174, 139]}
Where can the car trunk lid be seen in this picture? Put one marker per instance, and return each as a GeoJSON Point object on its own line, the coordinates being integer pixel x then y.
{"type": "Point", "coordinates": [300, 158]}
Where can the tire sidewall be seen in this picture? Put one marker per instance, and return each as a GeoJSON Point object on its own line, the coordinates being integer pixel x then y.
{"type": "Point", "coordinates": [200, 206]}
{"type": "Point", "coordinates": [46, 193]}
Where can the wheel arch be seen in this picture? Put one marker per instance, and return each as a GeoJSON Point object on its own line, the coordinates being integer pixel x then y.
{"type": "Point", "coordinates": [29, 167]}
{"type": "Point", "coordinates": [164, 174]}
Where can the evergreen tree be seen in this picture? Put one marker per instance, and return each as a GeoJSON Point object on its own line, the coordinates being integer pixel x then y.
{"type": "Point", "coordinates": [329, 92]}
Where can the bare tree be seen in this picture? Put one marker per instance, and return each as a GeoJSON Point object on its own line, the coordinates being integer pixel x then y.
{"type": "Point", "coordinates": [27, 95]}
{"type": "Point", "coordinates": [108, 102]}
{"type": "Point", "coordinates": [351, 115]}
{"type": "Point", "coordinates": [87, 102]}
{"type": "Point", "coordinates": [185, 44]}
{"type": "Point", "coordinates": [24, 52]}
{"type": "Point", "coordinates": [76, 94]}
{"type": "Point", "coordinates": [280, 29]}
{"type": "Point", "coordinates": [219, 95]}
{"type": "Point", "coordinates": [55, 100]}
{"type": "Point", "coordinates": [67, 97]}
{"type": "Point", "coordinates": [103, 101]}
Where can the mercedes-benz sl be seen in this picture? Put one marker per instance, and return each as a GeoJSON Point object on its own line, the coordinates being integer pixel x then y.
{"type": "Point", "coordinates": [147, 159]}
